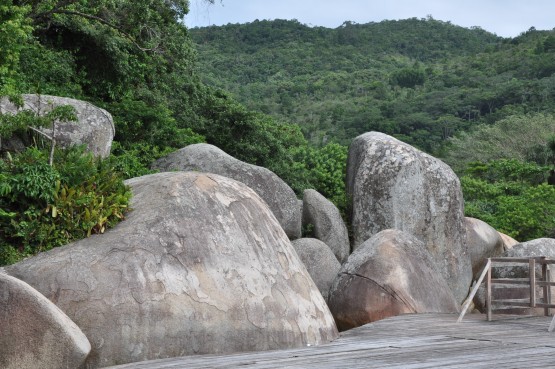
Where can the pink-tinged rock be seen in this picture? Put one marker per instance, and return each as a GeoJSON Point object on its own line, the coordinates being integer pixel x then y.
{"type": "Point", "coordinates": [390, 274]}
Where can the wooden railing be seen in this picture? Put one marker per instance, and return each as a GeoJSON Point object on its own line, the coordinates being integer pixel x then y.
{"type": "Point", "coordinates": [544, 282]}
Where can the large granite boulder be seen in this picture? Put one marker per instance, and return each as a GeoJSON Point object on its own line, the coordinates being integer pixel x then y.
{"type": "Point", "coordinates": [320, 262]}
{"type": "Point", "coordinates": [328, 225]}
{"type": "Point", "coordinates": [94, 126]}
{"type": "Point", "coordinates": [199, 266]}
{"type": "Point", "coordinates": [483, 242]}
{"type": "Point", "coordinates": [390, 274]}
{"type": "Point", "coordinates": [208, 158]}
{"type": "Point", "coordinates": [534, 248]}
{"type": "Point", "coordinates": [35, 333]}
{"type": "Point", "coordinates": [395, 186]}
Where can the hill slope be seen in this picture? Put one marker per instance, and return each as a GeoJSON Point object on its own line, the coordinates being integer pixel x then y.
{"type": "Point", "coordinates": [420, 80]}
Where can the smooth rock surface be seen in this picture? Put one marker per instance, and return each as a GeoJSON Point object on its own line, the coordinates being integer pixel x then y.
{"type": "Point", "coordinates": [200, 265]}
{"type": "Point", "coordinates": [320, 262]}
{"type": "Point", "coordinates": [539, 247]}
{"type": "Point", "coordinates": [508, 241]}
{"type": "Point", "coordinates": [208, 158]}
{"type": "Point", "coordinates": [483, 242]}
{"type": "Point", "coordinates": [390, 274]}
{"type": "Point", "coordinates": [328, 225]}
{"type": "Point", "coordinates": [94, 128]}
{"type": "Point", "coordinates": [34, 333]}
{"type": "Point", "coordinates": [395, 186]}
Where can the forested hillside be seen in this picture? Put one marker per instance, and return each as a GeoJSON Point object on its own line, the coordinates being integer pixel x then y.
{"type": "Point", "coordinates": [483, 103]}
{"type": "Point", "coordinates": [421, 80]}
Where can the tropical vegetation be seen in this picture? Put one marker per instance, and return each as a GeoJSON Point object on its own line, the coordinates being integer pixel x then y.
{"type": "Point", "coordinates": [278, 94]}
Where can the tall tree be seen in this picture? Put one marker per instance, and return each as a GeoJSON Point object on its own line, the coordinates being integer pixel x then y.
{"type": "Point", "coordinates": [14, 33]}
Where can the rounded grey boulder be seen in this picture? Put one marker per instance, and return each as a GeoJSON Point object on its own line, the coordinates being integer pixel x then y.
{"type": "Point", "coordinates": [208, 158]}
{"type": "Point", "coordinates": [390, 274]}
{"type": "Point", "coordinates": [483, 242]}
{"type": "Point", "coordinates": [320, 262]}
{"type": "Point", "coordinates": [392, 185]}
{"type": "Point", "coordinates": [94, 126]}
{"type": "Point", "coordinates": [328, 224]}
{"type": "Point", "coordinates": [534, 248]}
{"type": "Point", "coordinates": [35, 333]}
{"type": "Point", "coordinates": [199, 266]}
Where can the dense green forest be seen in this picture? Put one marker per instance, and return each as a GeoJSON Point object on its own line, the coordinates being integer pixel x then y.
{"type": "Point", "coordinates": [273, 93]}
{"type": "Point", "coordinates": [421, 80]}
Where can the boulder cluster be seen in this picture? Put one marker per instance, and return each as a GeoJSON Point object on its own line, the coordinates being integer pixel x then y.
{"type": "Point", "coordinates": [212, 259]}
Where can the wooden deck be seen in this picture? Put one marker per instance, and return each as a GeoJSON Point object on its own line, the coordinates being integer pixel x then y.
{"type": "Point", "coordinates": [407, 341]}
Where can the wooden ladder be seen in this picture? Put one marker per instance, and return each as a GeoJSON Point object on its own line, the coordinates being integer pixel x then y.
{"type": "Point", "coordinates": [544, 282]}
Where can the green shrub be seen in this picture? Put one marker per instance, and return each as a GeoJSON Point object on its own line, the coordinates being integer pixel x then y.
{"type": "Point", "coordinates": [43, 207]}
{"type": "Point", "coordinates": [510, 196]}
{"type": "Point", "coordinates": [135, 161]}
{"type": "Point", "coordinates": [152, 124]}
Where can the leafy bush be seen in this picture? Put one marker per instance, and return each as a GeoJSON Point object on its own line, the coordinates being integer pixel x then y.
{"type": "Point", "coordinates": [510, 196]}
{"type": "Point", "coordinates": [14, 32]}
{"type": "Point", "coordinates": [135, 160]}
{"type": "Point", "coordinates": [144, 133]}
{"type": "Point", "coordinates": [521, 137]}
{"type": "Point", "coordinates": [509, 169]}
{"type": "Point", "coordinates": [49, 72]}
{"type": "Point", "coordinates": [139, 122]}
{"type": "Point", "coordinates": [324, 169]}
{"type": "Point", "coordinates": [45, 206]}
{"type": "Point", "coordinates": [408, 77]}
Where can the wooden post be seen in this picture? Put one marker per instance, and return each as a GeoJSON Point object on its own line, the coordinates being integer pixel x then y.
{"type": "Point", "coordinates": [474, 290]}
{"type": "Point", "coordinates": [548, 278]}
{"type": "Point", "coordinates": [532, 276]}
{"type": "Point", "coordinates": [552, 325]}
{"type": "Point", "coordinates": [488, 293]}
{"type": "Point", "coordinates": [546, 298]}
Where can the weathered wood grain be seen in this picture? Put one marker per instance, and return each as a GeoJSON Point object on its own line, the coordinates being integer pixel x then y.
{"type": "Point", "coordinates": [406, 341]}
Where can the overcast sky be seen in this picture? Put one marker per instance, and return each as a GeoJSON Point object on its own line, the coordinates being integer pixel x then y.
{"type": "Point", "coordinates": [507, 18]}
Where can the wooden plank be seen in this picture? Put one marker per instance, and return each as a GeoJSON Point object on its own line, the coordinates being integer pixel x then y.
{"type": "Point", "coordinates": [488, 294]}
{"type": "Point", "coordinates": [552, 325]}
{"type": "Point", "coordinates": [532, 275]}
{"type": "Point", "coordinates": [548, 295]}
{"type": "Point", "coordinates": [520, 303]}
{"type": "Point", "coordinates": [509, 260]}
{"type": "Point", "coordinates": [520, 282]}
{"type": "Point", "coordinates": [406, 341]}
{"type": "Point", "coordinates": [474, 290]}
{"type": "Point", "coordinates": [522, 260]}
{"type": "Point", "coordinates": [545, 289]}
{"type": "Point", "coordinates": [510, 281]}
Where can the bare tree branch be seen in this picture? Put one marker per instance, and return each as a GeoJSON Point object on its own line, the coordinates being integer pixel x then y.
{"type": "Point", "coordinates": [42, 133]}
